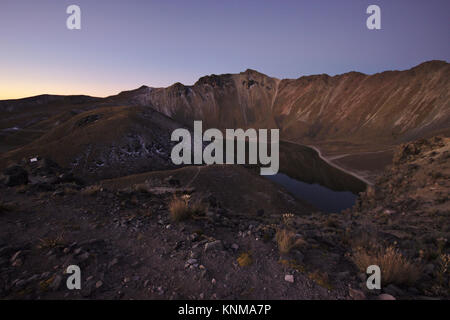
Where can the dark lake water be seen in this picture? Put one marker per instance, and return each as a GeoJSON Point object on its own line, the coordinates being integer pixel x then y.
{"type": "Point", "coordinates": [321, 197]}
{"type": "Point", "coordinates": [307, 177]}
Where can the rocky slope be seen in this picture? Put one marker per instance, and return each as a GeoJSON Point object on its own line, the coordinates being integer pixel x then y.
{"type": "Point", "coordinates": [105, 142]}
{"type": "Point", "coordinates": [121, 235]}
{"type": "Point", "coordinates": [409, 208]}
{"type": "Point", "coordinates": [223, 252]}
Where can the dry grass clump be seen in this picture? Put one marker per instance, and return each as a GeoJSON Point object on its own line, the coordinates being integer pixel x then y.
{"type": "Point", "coordinates": [70, 190]}
{"type": "Point", "coordinates": [332, 222]}
{"type": "Point", "coordinates": [142, 187]}
{"type": "Point", "coordinates": [48, 243]}
{"type": "Point", "coordinates": [244, 259]}
{"type": "Point", "coordinates": [179, 209]}
{"type": "Point", "coordinates": [287, 241]}
{"type": "Point", "coordinates": [443, 268]}
{"type": "Point", "coordinates": [321, 278]}
{"type": "Point", "coordinates": [7, 207]}
{"type": "Point", "coordinates": [395, 268]}
{"type": "Point", "coordinates": [287, 219]}
{"type": "Point", "coordinates": [182, 208]}
{"type": "Point", "coordinates": [91, 190]}
{"type": "Point", "coordinates": [293, 264]}
{"type": "Point", "coordinates": [45, 284]}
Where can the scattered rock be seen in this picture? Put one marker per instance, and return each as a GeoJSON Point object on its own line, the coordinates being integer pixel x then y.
{"type": "Point", "coordinates": [17, 263]}
{"type": "Point", "coordinates": [113, 263]}
{"type": "Point", "coordinates": [19, 283]}
{"type": "Point", "coordinates": [215, 245]}
{"type": "Point", "coordinates": [83, 257]}
{"type": "Point", "coordinates": [86, 290]}
{"type": "Point", "coordinates": [356, 294]}
{"type": "Point", "coordinates": [15, 176]}
{"type": "Point", "coordinates": [98, 284]}
{"type": "Point", "coordinates": [343, 275]}
{"type": "Point", "coordinates": [195, 254]}
{"type": "Point", "coordinates": [16, 256]}
{"type": "Point", "coordinates": [393, 290]}
{"type": "Point", "coordinates": [289, 278]}
{"type": "Point", "coordinates": [56, 283]}
{"type": "Point", "coordinates": [385, 296]}
{"type": "Point", "coordinates": [429, 269]}
{"type": "Point", "coordinates": [299, 257]}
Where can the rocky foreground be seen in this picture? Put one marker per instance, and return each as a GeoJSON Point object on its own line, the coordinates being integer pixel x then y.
{"type": "Point", "coordinates": [129, 246]}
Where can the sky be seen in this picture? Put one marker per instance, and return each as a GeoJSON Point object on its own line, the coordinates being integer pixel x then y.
{"type": "Point", "coordinates": [125, 44]}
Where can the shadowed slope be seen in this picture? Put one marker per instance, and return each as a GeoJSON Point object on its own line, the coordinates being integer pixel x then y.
{"type": "Point", "coordinates": [106, 142]}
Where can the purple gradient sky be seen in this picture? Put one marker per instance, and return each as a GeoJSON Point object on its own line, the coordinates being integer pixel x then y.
{"type": "Point", "coordinates": [124, 44]}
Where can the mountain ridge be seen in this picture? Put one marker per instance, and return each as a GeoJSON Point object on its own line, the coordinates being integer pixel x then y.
{"type": "Point", "coordinates": [347, 116]}
{"type": "Point", "coordinates": [244, 96]}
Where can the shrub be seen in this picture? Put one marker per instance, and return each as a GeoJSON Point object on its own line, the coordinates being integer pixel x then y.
{"type": "Point", "coordinates": [287, 241]}
{"type": "Point", "coordinates": [395, 268]}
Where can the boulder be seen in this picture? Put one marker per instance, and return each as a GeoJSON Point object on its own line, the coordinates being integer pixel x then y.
{"type": "Point", "coordinates": [289, 278]}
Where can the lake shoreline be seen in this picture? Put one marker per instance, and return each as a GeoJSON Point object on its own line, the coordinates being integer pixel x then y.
{"type": "Point", "coordinates": [331, 163]}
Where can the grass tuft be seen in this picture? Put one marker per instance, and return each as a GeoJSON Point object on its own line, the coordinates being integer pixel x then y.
{"type": "Point", "coordinates": [7, 207]}
{"type": "Point", "coordinates": [321, 278]}
{"type": "Point", "coordinates": [244, 259]}
{"type": "Point", "coordinates": [287, 241]}
{"type": "Point", "coordinates": [91, 190]}
{"type": "Point", "coordinates": [49, 243]}
{"type": "Point", "coordinates": [395, 268]}
{"type": "Point", "coordinates": [183, 208]}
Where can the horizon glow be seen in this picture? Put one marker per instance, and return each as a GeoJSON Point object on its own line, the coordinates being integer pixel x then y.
{"type": "Point", "coordinates": [125, 44]}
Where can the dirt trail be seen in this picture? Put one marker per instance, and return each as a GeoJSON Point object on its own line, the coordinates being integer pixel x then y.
{"type": "Point", "coordinates": [199, 168]}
